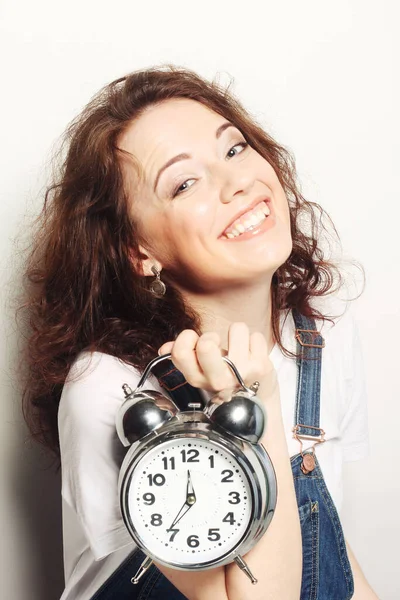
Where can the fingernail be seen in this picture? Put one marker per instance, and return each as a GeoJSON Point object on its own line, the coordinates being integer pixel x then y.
{"type": "Point", "coordinates": [159, 351]}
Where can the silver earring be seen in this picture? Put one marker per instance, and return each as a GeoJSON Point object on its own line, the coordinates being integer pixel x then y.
{"type": "Point", "coordinates": [157, 287]}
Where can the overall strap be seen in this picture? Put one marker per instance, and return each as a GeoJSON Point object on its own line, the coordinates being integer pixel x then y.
{"type": "Point", "coordinates": [309, 346]}
{"type": "Point", "coordinates": [175, 384]}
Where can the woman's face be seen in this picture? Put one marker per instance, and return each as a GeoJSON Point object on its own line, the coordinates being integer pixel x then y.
{"type": "Point", "coordinates": [198, 177]}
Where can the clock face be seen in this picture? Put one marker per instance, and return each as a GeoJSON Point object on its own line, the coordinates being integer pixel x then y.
{"type": "Point", "coordinates": [189, 501]}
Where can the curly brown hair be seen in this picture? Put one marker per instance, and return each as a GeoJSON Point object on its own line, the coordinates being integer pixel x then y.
{"type": "Point", "coordinates": [82, 289]}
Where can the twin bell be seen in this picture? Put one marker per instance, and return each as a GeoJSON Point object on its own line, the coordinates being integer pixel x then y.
{"type": "Point", "coordinates": [145, 411]}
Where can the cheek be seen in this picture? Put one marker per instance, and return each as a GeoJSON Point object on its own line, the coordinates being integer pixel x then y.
{"type": "Point", "coordinates": [192, 219]}
{"type": "Point", "coordinates": [177, 234]}
{"type": "Point", "coordinates": [269, 176]}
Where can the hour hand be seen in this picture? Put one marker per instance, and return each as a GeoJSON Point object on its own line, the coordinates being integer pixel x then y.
{"type": "Point", "coordinates": [190, 494]}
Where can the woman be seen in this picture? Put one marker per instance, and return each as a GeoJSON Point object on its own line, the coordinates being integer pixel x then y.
{"type": "Point", "coordinates": [168, 179]}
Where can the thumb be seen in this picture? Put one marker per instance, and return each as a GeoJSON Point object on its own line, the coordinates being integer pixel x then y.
{"type": "Point", "coordinates": [165, 348]}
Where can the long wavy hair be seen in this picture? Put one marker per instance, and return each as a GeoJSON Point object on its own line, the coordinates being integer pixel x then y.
{"type": "Point", "coordinates": [83, 291]}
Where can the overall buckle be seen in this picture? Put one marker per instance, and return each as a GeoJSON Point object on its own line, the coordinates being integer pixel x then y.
{"type": "Point", "coordinates": [314, 334]}
{"type": "Point", "coordinates": [308, 458]}
{"type": "Point", "coordinates": [318, 440]}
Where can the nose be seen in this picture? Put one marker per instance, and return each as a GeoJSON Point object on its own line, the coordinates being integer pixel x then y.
{"type": "Point", "coordinates": [234, 180]}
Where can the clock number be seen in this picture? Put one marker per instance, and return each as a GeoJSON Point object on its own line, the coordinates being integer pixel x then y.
{"type": "Point", "coordinates": [229, 518]}
{"type": "Point", "coordinates": [228, 476]}
{"type": "Point", "coordinates": [190, 455]}
{"type": "Point", "coordinates": [156, 520]}
{"type": "Point", "coordinates": [193, 541]}
{"type": "Point", "coordinates": [171, 461]}
{"type": "Point", "coordinates": [157, 479]}
{"type": "Point", "coordinates": [173, 534]}
{"type": "Point", "coordinates": [149, 498]}
{"type": "Point", "coordinates": [235, 499]}
{"type": "Point", "coordinates": [211, 459]}
{"type": "Point", "coordinates": [213, 535]}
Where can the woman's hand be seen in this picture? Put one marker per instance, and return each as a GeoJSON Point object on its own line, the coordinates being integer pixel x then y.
{"type": "Point", "coordinates": [200, 360]}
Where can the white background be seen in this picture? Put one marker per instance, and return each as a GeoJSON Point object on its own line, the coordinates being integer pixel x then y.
{"type": "Point", "coordinates": [323, 79]}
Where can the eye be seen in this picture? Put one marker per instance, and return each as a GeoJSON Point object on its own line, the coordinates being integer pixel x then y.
{"type": "Point", "coordinates": [242, 145]}
{"type": "Point", "coordinates": [181, 188]}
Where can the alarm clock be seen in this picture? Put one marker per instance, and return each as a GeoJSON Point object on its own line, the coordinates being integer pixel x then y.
{"type": "Point", "coordinates": [197, 489]}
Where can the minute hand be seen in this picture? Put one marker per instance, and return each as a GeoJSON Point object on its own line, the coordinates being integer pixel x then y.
{"type": "Point", "coordinates": [180, 514]}
{"type": "Point", "coordinates": [190, 500]}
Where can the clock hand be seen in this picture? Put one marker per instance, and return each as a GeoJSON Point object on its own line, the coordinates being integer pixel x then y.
{"type": "Point", "coordinates": [190, 500]}
{"type": "Point", "coordinates": [180, 514]}
{"type": "Point", "coordinates": [190, 493]}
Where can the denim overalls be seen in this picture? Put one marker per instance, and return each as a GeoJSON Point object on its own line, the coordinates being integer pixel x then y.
{"type": "Point", "coordinates": [326, 569]}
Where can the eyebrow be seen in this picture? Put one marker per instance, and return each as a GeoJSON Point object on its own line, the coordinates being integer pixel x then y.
{"type": "Point", "coordinates": [184, 155]}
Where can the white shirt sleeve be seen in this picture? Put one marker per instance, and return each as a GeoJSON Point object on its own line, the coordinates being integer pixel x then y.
{"type": "Point", "coordinates": [91, 453]}
{"type": "Point", "coordinates": [354, 425]}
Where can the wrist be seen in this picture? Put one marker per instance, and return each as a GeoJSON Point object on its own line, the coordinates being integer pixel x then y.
{"type": "Point", "coordinates": [269, 387]}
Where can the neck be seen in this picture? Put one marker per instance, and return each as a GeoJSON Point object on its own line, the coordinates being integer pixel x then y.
{"type": "Point", "coordinates": [248, 304]}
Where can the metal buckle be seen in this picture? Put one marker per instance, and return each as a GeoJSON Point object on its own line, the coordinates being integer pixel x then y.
{"type": "Point", "coordinates": [314, 334]}
{"type": "Point", "coordinates": [298, 436]}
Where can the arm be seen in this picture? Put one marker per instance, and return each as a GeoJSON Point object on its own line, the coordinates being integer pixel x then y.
{"type": "Point", "coordinates": [362, 589]}
{"type": "Point", "coordinates": [279, 548]}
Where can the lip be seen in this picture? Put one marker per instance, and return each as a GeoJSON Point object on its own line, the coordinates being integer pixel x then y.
{"type": "Point", "coordinates": [246, 209]}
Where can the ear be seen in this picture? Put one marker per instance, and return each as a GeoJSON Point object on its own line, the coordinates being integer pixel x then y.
{"type": "Point", "coordinates": [148, 261]}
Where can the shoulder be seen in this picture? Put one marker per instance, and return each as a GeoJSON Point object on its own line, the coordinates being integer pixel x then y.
{"type": "Point", "coordinates": [340, 332]}
{"type": "Point", "coordinates": [92, 392]}
{"type": "Point", "coordinates": [338, 328]}
{"type": "Point", "coordinates": [91, 368]}
{"type": "Point", "coordinates": [95, 379]}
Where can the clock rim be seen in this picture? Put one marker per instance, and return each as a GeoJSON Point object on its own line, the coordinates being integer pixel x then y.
{"type": "Point", "coordinates": [260, 515]}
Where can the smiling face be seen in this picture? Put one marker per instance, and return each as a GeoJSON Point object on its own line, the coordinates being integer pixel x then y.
{"type": "Point", "coordinates": [185, 209]}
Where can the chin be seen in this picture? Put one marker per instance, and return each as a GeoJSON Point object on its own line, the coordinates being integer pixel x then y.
{"type": "Point", "coordinates": [270, 259]}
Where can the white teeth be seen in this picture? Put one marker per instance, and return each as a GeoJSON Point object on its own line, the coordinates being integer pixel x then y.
{"type": "Point", "coordinates": [265, 209]}
{"type": "Point", "coordinates": [255, 218]}
{"type": "Point", "coordinates": [250, 222]}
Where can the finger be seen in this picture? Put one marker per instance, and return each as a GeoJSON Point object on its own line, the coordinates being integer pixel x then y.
{"type": "Point", "coordinates": [184, 357]}
{"type": "Point", "coordinates": [216, 372]}
{"type": "Point", "coordinates": [166, 348]}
